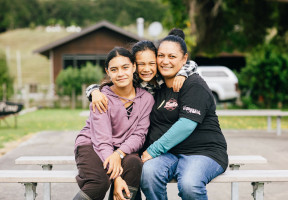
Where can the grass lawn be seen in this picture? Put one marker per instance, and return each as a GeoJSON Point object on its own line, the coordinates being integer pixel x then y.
{"type": "Point", "coordinates": [41, 120]}
{"type": "Point", "coordinates": [66, 119]}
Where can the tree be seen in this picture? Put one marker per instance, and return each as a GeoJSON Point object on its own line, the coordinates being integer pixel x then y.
{"type": "Point", "coordinates": [6, 80]}
{"type": "Point", "coordinates": [263, 81]}
{"type": "Point", "coordinates": [69, 81]}
{"type": "Point", "coordinates": [227, 25]}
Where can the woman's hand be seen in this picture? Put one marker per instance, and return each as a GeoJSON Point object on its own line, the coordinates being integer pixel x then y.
{"type": "Point", "coordinates": [119, 186]}
{"type": "Point", "coordinates": [99, 101]}
{"type": "Point", "coordinates": [145, 156]}
{"type": "Point", "coordinates": [178, 83]}
{"type": "Point", "coordinates": [115, 168]}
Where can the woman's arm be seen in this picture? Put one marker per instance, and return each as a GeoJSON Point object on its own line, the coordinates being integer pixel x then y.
{"type": "Point", "coordinates": [98, 99]}
{"type": "Point", "coordinates": [187, 70]}
{"type": "Point", "coordinates": [175, 135]}
{"type": "Point", "coordinates": [90, 89]}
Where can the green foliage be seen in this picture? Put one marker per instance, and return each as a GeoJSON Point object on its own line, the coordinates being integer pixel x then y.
{"type": "Point", "coordinates": [263, 81]}
{"type": "Point", "coordinates": [5, 78]}
{"type": "Point", "coordinates": [229, 25]}
{"type": "Point", "coordinates": [91, 74]}
{"type": "Point", "coordinates": [72, 79]}
{"type": "Point", "coordinates": [67, 81]}
{"type": "Point", "coordinates": [25, 13]}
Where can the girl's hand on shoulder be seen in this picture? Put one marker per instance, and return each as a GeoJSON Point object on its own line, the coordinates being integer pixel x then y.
{"type": "Point", "coordinates": [178, 83]}
{"type": "Point", "coordinates": [115, 169]}
{"type": "Point", "coordinates": [119, 186]}
{"type": "Point", "coordinates": [146, 156]}
{"type": "Point", "coordinates": [99, 101]}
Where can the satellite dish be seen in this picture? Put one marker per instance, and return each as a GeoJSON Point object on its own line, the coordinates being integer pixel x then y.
{"type": "Point", "coordinates": [155, 29]}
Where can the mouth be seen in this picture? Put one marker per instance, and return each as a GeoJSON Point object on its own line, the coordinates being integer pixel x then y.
{"type": "Point", "coordinates": [166, 67]}
{"type": "Point", "coordinates": [122, 79]}
{"type": "Point", "coordinates": [146, 75]}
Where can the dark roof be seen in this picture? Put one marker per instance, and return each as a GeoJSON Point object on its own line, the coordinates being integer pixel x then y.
{"type": "Point", "coordinates": [106, 24]}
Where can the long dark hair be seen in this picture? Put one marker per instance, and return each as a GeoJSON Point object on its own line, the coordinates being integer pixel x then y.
{"type": "Point", "coordinates": [118, 51]}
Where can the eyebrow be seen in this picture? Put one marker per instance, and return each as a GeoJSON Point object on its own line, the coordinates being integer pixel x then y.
{"type": "Point", "coordinates": [119, 66]}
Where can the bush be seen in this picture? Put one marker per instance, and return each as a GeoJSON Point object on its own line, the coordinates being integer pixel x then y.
{"type": "Point", "coordinates": [264, 79]}
{"type": "Point", "coordinates": [91, 74]}
{"type": "Point", "coordinates": [72, 79]}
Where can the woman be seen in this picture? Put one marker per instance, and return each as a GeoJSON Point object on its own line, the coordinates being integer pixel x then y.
{"type": "Point", "coordinates": [185, 138]}
{"type": "Point", "coordinates": [106, 148]}
{"type": "Point", "coordinates": [145, 54]}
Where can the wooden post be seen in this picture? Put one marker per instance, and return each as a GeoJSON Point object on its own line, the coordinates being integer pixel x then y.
{"type": "Point", "coordinates": [84, 98]}
{"type": "Point", "coordinates": [73, 99]}
{"type": "Point", "coordinates": [4, 91]}
{"type": "Point", "coordinates": [19, 71]}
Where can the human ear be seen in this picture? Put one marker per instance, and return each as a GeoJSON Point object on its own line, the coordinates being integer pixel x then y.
{"type": "Point", "coordinates": [134, 67]}
{"type": "Point", "coordinates": [185, 57]}
{"type": "Point", "coordinates": [107, 72]}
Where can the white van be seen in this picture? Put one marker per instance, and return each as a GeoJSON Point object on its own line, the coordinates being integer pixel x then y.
{"type": "Point", "coordinates": [222, 81]}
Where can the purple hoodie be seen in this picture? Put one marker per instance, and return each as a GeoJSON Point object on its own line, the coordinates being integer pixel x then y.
{"type": "Point", "coordinates": [113, 129]}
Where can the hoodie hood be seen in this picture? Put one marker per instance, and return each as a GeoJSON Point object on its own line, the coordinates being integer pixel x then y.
{"type": "Point", "coordinates": [107, 91]}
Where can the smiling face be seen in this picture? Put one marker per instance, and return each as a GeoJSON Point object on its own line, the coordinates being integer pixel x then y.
{"type": "Point", "coordinates": [170, 59]}
{"type": "Point", "coordinates": [146, 64]}
{"type": "Point", "coordinates": [120, 70]}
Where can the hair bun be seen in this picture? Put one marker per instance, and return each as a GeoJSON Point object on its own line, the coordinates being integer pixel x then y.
{"type": "Point", "coordinates": [177, 32]}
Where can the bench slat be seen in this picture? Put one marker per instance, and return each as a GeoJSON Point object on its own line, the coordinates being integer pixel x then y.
{"type": "Point", "coordinates": [38, 176]}
{"type": "Point", "coordinates": [70, 160]}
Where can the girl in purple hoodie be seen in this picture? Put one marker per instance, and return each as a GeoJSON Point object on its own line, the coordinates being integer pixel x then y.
{"type": "Point", "coordinates": [106, 148]}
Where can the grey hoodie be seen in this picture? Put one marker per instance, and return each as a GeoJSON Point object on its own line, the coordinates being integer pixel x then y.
{"type": "Point", "coordinates": [113, 129]}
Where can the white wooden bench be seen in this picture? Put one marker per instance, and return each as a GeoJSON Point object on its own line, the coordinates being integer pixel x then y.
{"type": "Point", "coordinates": [47, 163]}
{"type": "Point", "coordinates": [257, 113]}
{"type": "Point", "coordinates": [30, 178]}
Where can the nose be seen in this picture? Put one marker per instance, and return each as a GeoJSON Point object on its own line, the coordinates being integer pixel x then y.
{"type": "Point", "coordinates": [165, 60]}
{"type": "Point", "coordinates": [146, 68]}
{"type": "Point", "coordinates": [120, 72]}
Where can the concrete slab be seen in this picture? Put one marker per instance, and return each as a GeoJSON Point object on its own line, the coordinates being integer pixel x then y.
{"type": "Point", "coordinates": [274, 148]}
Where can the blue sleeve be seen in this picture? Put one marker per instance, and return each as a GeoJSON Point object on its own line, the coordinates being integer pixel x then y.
{"type": "Point", "coordinates": [175, 135]}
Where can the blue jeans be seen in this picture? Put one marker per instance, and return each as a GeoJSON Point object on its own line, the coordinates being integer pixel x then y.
{"type": "Point", "coordinates": [192, 172]}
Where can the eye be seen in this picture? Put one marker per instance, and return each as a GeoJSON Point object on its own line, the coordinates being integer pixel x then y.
{"type": "Point", "coordinates": [160, 56]}
{"type": "Point", "coordinates": [172, 56]}
{"type": "Point", "coordinates": [113, 70]}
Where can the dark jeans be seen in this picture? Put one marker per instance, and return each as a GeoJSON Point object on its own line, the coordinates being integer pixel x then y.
{"type": "Point", "coordinates": [92, 178]}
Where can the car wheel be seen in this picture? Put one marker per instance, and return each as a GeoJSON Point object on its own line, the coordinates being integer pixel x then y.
{"type": "Point", "coordinates": [216, 100]}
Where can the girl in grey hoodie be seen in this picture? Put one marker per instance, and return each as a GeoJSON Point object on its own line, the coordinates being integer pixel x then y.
{"type": "Point", "coordinates": [106, 148]}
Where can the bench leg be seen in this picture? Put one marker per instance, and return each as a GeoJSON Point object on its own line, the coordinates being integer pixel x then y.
{"type": "Point", "coordinates": [258, 191]}
{"type": "Point", "coordinates": [278, 125]}
{"type": "Point", "coordinates": [234, 185]}
{"type": "Point", "coordinates": [30, 191]}
{"type": "Point", "coordinates": [269, 123]}
{"type": "Point", "coordinates": [47, 186]}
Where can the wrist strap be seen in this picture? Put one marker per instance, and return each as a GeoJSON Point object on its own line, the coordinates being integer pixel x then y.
{"type": "Point", "coordinates": [120, 154]}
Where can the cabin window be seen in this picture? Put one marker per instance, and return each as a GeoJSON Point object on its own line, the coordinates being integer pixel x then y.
{"type": "Point", "coordinates": [78, 61]}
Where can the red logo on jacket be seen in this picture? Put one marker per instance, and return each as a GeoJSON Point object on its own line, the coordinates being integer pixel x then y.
{"type": "Point", "coordinates": [171, 104]}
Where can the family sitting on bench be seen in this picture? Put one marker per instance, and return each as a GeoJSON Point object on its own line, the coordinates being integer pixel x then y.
{"type": "Point", "coordinates": [184, 140]}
